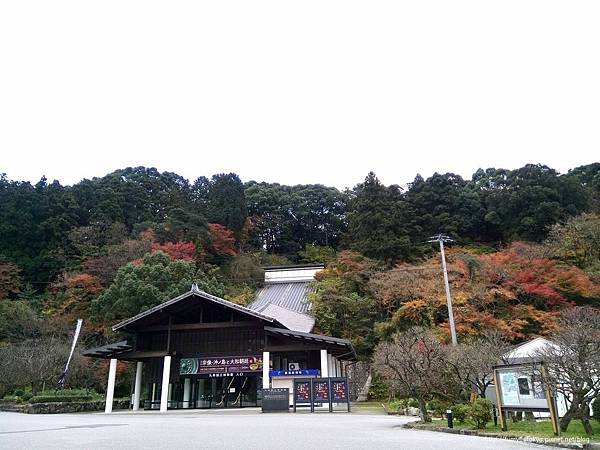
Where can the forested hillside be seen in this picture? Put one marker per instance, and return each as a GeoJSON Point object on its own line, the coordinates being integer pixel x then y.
{"type": "Point", "coordinates": [527, 244]}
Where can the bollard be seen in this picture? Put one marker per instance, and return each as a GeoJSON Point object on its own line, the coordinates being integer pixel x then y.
{"type": "Point", "coordinates": [449, 417]}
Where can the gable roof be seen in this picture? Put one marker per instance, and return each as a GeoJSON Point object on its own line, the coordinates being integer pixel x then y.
{"type": "Point", "coordinates": [527, 350]}
{"type": "Point", "coordinates": [195, 291]}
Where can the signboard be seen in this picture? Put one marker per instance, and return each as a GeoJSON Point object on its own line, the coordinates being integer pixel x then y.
{"type": "Point", "coordinates": [275, 399]}
{"type": "Point", "coordinates": [524, 387]}
{"type": "Point", "coordinates": [302, 391]}
{"type": "Point", "coordinates": [225, 365]}
{"type": "Point", "coordinates": [321, 390]}
{"type": "Point", "coordinates": [339, 390]}
{"type": "Point", "coordinates": [293, 373]}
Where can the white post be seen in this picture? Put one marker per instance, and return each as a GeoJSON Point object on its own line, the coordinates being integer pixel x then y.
{"type": "Point", "coordinates": [138, 386]}
{"type": "Point", "coordinates": [187, 391]}
{"type": "Point", "coordinates": [164, 388]}
{"type": "Point", "coordinates": [324, 364]}
{"type": "Point", "coordinates": [266, 363]}
{"type": "Point", "coordinates": [110, 388]}
{"type": "Point", "coordinates": [448, 297]}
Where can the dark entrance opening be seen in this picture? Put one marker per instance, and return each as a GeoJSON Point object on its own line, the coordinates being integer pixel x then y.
{"type": "Point", "coordinates": [236, 391]}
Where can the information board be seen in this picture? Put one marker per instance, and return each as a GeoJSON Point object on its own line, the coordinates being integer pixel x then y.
{"type": "Point", "coordinates": [275, 399]}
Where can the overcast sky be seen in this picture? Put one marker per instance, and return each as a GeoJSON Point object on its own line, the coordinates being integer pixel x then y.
{"type": "Point", "coordinates": [297, 92]}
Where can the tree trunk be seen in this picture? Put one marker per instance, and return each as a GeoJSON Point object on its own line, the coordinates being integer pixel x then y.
{"type": "Point", "coordinates": [587, 426]}
{"type": "Point", "coordinates": [423, 411]}
{"type": "Point", "coordinates": [566, 419]}
{"type": "Point", "coordinates": [585, 418]}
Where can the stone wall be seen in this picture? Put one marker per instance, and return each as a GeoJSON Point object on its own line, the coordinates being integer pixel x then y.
{"type": "Point", "coordinates": [60, 407]}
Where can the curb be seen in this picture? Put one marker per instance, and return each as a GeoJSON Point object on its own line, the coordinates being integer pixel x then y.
{"type": "Point", "coordinates": [528, 439]}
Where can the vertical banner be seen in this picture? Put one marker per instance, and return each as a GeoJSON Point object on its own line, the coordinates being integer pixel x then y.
{"type": "Point", "coordinates": [321, 391]}
{"type": "Point", "coordinates": [303, 393]}
{"type": "Point", "coordinates": [61, 379]}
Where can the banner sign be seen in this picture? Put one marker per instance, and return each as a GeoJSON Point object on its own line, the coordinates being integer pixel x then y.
{"type": "Point", "coordinates": [220, 365]}
{"type": "Point", "coordinates": [302, 391]}
{"type": "Point", "coordinates": [61, 378]}
{"type": "Point", "coordinates": [291, 373]}
{"type": "Point", "coordinates": [339, 390]}
{"type": "Point", "coordinates": [321, 390]}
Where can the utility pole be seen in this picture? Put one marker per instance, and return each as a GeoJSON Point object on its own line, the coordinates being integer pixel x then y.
{"type": "Point", "coordinates": [441, 238]}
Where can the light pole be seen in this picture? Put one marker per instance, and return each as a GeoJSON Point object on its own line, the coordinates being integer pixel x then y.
{"type": "Point", "coordinates": [441, 238]}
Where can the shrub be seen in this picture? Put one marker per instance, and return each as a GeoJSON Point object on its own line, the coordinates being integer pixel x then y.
{"type": "Point", "coordinates": [596, 409]}
{"type": "Point", "coordinates": [64, 395]}
{"type": "Point", "coordinates": [19, 392]}
{"type": "Point", "coordinates": [437, 407]}
{"type": "Point", "coordinates": [461, 412]}
{"type": "Point", "coordinates": [26, 396]}
{"type": "Point", "coordinates": [481, 412]}
{"type": "Point", "coordinates": [413, 403]}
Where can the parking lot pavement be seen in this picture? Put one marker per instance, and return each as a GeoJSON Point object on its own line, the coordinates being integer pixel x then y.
{"type": "Point", "coordinates": [229, 429]}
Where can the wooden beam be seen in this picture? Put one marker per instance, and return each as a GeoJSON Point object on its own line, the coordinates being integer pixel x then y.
{"type": "Point", "coordinates": [200, 326]}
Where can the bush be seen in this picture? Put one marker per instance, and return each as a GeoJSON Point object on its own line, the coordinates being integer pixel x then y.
{"type": "Point", "coordinates": [461, 412]}
{"type": "Point", "coordinates": [481, 412]}
{"type": "Point", "coordinates": [65, 395]}
{"type": "Point", "coordinates": [26, 396]}
{"type": "Point", "coordinates": [413, 403]}
{"type": "Point", "coordinates": [596, 409]}
{"type": "Point", "coordinates": [437, 407]}
{"type": "Point", "coordinates": [19, 392]}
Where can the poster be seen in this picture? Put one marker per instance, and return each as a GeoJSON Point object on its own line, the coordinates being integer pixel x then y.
{"type": "Point", "coordinates": [321, 391]}
{"type": "Point", "coordinates": [339, 390]}
{"type": "Point", "coordinates": [302, 391]}
{"type": "Point", "coordinates": [510, 388]}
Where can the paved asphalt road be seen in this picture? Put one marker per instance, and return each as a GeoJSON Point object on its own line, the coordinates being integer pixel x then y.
{"type": "Point", "coordinates": [241, 429]}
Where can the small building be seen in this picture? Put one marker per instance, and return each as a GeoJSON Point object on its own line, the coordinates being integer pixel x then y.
{"type": "Point", "coordinates": [201, 351]}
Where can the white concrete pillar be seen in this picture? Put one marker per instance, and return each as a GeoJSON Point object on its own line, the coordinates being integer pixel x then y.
{"type": "Point", "coordinates": [266, 365]}
{"type": "Point", "coordinates": [164, 388]}
{"type": "Point", "coordinates": [324, 364]}
{"type": "Point", "coordinates": [187, 392]}
{"type": "Point", "coordinates": [137, 390]}
{"type": "Point", "coordinates": [110, 387]}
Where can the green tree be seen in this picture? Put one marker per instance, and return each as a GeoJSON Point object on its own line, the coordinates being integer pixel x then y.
{"type": "Point", "coordinates": [381, 222]}
{"type": "Point", "coordinates": [577, 241]}
{"type": "Point", "coordinates": [446, 204]}
{"type": "Point", "coordinates": [155, 280]}
{"type": "Point", "coordinates": [227, 202]}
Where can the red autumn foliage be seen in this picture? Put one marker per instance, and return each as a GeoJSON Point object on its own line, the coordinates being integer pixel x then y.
{"type": "Point", "coordinates": [223, 240]}
{"type": "Point", "coordinates": [185, 251]}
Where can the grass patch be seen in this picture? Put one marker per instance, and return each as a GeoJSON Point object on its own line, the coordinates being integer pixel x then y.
{"type": "Point", "coordinates": [540, 428]}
